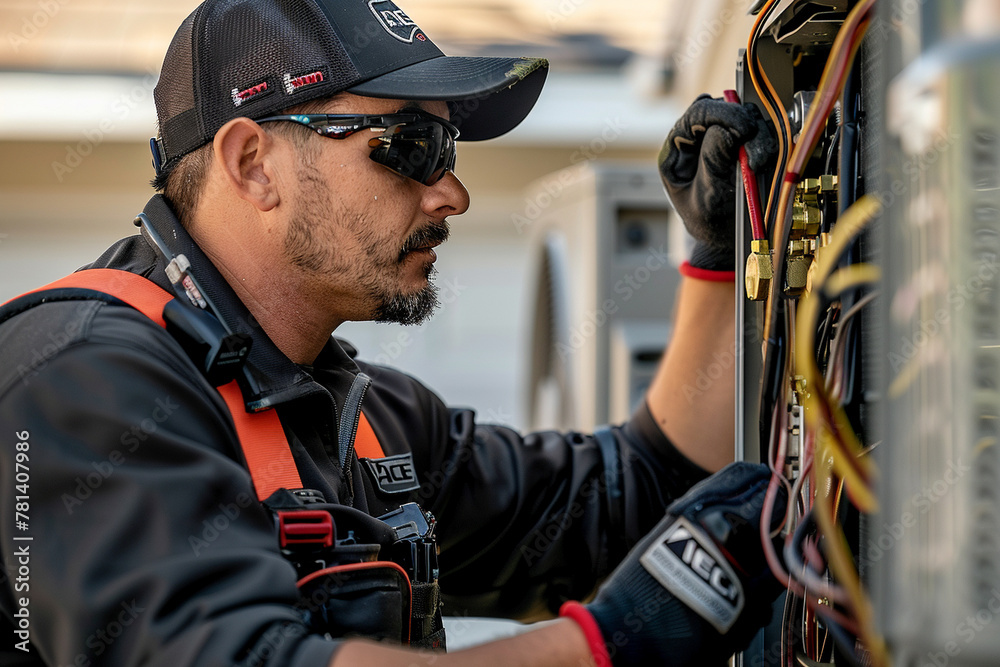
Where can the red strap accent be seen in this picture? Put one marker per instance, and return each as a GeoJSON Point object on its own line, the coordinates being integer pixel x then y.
{"type": "Point", "coordinates": [142, 294]}
{"type": "Point", "coordinates": [366, 443]}
{"type": "Point", "coordinates": [265, 447]}
{"type": "Point", "coordinates": [707, 274]}
{"type": "Point", "coordinates": [262, 439]}
{"type": "Point", "coordinates": [592, 631]}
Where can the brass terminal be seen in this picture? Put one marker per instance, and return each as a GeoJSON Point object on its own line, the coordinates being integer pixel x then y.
{"type": "Point", "coordinates": [759, 271]}
{"type": "Point", "coordinates": [797, 274]}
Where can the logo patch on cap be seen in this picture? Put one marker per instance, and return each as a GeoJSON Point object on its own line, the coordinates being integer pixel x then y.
{"type": "Point", "coordinates": [295, 83]}
{"type": "Point", "coordinates": [394, 474]}
{"type": "Point", "coordinates": [241, 96]}
{"type": "Point", "coordinates": [395, 21]}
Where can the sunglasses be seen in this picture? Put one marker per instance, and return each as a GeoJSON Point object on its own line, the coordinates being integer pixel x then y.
{"type": "Point", "coordinates": [417, 145]}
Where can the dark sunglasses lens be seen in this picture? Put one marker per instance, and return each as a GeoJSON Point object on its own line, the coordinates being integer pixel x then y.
{"type": "Point", "coordinates": [421, 151]}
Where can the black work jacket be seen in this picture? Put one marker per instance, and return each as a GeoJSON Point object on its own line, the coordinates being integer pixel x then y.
{"type": "Point", "coordinates": [148, 546]}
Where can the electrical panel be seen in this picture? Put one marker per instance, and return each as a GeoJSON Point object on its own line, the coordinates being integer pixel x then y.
{"type": "Point", "coordinates": [869, 319]}
{"type": "Point", "coordinates": [808, 281]}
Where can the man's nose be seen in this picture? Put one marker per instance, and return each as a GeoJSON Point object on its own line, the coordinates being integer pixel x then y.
{"type": "Point", "coordinates": [446, 197]}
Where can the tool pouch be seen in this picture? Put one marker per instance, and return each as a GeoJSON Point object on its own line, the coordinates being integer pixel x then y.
{"type": "Point", "coordinates": [360, 576]}
{"type": "Point", "coordinates": [371, 600]}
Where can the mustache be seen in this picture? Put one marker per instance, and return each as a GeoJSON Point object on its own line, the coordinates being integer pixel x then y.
{"type": "Point", "coordinates": [435, 233]}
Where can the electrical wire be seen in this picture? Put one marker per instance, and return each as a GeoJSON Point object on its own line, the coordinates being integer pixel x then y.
{"type": "Point", "coordinates": [771, 103]}
{"type": "Point", "coordinates": [837, 454]}
{"type": "Point", "coordinates": [829, 464]}
{"type": "Point", "coordinates": [845, 643]}
{"type": "Point", "coordinates": [834, 379]}
{"type": "Point", "coordinates": [830, 448]}
{"type": "Point", "coordinates": [832, 81]}
{"type": "Point", "coordinates": [827, 419]}
{"type": "Point", "coordinates": [749, 182]}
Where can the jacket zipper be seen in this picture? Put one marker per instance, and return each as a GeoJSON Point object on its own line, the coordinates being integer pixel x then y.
{"type": "Point", "coordinates": [350, 416]}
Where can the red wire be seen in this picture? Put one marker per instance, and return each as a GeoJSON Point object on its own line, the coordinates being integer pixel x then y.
{"type": "Point", "coordinates": [749, 182]}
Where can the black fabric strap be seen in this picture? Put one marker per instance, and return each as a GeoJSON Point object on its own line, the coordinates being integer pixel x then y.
{"type": "Point", "coordinates": [426, 600]}
{"type": "Point", "coordinates": [427, 629]}
{"type": "Point", "coordinates": [612, 476]}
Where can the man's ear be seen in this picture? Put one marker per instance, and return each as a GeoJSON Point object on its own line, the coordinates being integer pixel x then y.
{"type": "Point", "coordinates": [246, 155]}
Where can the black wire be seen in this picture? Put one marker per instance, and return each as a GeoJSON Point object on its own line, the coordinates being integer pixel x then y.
{"type": "Point", "coordinates": [825, 335]}
{"type": "Point", "coordinates": [850, 103]}
{"type": "Point", "coordinates": [832, 150]}
{"type": "Point", "coordinates": [852, 364]}
{"type": "Point", "coordinates": [845, 642]}
{"type": "Point", "coordinates": [787, 142]}
{"type": "Point", "coordinates": [830, 208]}
{"type": "Point", "coordinates": [806, 661]}
{"type": "Point", "coordinates": [793, 551]}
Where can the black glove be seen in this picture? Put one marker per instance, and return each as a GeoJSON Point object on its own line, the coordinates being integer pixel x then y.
{"type": "Point", "coordinates": [698, 166]}
{"type": "Point", "coordinates": [697, 588]}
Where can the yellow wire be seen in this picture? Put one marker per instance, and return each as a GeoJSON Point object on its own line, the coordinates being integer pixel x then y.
{"type": "Point", "coordinates": [838, 456]}
{"type": "Point", "coordinates": [842, 565]}
{"type": "Point", "coordinates": [845, 444]}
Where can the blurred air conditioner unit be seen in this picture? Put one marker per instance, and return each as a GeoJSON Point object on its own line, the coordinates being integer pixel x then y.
{"type": "Point", "coordinates": [605, 251]}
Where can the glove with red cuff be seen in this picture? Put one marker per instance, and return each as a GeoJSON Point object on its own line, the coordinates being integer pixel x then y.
{"type": "Point", "coordinates": [696, 589]}
{"type": "Point", "coordinates": [698, 167]}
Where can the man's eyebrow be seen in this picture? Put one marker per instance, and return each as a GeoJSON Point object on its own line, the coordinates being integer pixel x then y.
{"type": "Point", "coordinates": [411, 106]}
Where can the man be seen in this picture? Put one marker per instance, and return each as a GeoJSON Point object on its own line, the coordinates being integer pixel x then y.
{"type": "Point", "coordinates": [306, 152]}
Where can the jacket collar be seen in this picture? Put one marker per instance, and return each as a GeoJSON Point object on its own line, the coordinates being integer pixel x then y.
{"type": "Point", "coordinates": [271, 378]}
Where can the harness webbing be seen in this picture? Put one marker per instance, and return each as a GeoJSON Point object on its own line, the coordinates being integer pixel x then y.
{"type": "Point", "coordinates": [262, 439]}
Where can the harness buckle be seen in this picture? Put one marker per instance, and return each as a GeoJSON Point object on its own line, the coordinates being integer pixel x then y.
{"type": "Point", "coordinates": [305, 527]}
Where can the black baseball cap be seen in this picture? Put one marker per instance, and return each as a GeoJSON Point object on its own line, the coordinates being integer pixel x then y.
{"type": "Point", "coordinates": [252, 58]}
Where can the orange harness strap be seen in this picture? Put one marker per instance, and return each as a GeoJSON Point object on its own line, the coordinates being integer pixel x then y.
{"type": "Point", "coordinates": [145, 296]}
{"type": "Point", "coordinates": [366, 443]}
{"type": "Point", "coordinates": [265, 447]}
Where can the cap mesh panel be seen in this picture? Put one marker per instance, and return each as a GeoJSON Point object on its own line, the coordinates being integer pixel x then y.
{"type": "Point", "coordinates": [174, 92]}
{"type": "Point", "coordinates": [239, 44]}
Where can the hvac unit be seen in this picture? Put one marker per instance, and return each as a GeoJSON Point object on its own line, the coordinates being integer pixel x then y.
{"type": "Point", "coordinates": [605, 247]}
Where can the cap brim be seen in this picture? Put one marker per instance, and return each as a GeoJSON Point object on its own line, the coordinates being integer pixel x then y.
{"type": "Point", "coordinates": [488, 97]}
